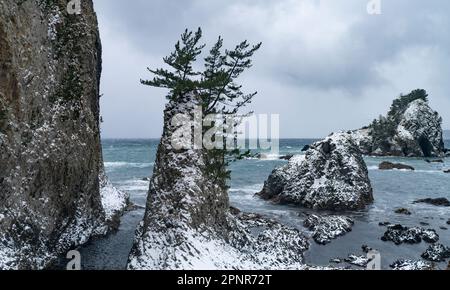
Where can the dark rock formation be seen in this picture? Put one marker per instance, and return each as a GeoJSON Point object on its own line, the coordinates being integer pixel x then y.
{"type": "Point", "coordinates": [447, 171]}
{"type": "Point", "coordinates": [327, 228]}
{"type": "Point", "coordinates": [436, 253]}
{"type": "Point", "coordinates": [391, 166]}
{"type": "Point", "coordinates": [384, 224]}
{"type": "Point", "coordinates": [306, 148]}
{"type": "Point", "coordinates": [400, 234]}
{"type": "Point", "coordinates": [411, 129]}
{"type": "Point", "coordinates": [188, 223]}
{"type": "Point", "coordinates": [434, 161]}
{"type": "Point", "coordinates": [403, 211]}
{"type": "Point", "coordinates": [409, 265]}
{"type": "Point", "coordinates": [50, 153]}
{"type": "Point", "coordinates": [287, 157]}
{"type": "Point", "coordinates": [434, 201]}
{"type": "Point", "coordinates": [332, 175]}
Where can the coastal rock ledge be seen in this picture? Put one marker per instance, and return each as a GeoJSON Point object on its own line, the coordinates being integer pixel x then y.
{"type": "Point", "coordinates": [332, 175]}
{"type": "Point", "coordinates": [189, 224]}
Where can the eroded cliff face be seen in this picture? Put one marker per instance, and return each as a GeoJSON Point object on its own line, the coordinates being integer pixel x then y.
{"type": "Point", "coordinates": [50, 154]}
{"type": "Point", "coordinates": [189, 224]}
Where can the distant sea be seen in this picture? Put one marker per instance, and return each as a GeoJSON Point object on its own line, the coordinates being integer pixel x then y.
{"type": "Point", "coordinates": [128, 162]}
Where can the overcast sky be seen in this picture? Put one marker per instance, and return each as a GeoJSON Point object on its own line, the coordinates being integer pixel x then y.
{"type": "Point", "coordinates": [325, 65]}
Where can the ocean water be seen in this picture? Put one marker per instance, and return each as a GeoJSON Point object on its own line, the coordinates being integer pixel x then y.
{"type": "Point", "coordinates": [128, 162]}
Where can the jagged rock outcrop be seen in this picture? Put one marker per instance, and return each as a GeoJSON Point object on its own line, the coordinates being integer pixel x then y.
{"type": "Point", "coordinates": [188, 222]}
{"type": "Point", "coordinates": [399, 234]}
{"type": "Point", "coordinates": [327, 228]}
{"type": "Point", "coordinates": [411, 129]}
{"type": "Point", "coordinates": [50, 153]}
{"type": "Point", "coordinates": [332, 175]}
{"type": "Point", "coordinates": [436, 253]}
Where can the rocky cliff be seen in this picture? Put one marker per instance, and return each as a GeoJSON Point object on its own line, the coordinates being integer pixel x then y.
{"type": "Point", "coordinates": [50, 154]}
{"type": "Point", "coordinates": [410, 129]}
{"type": "Point", "coordinates": [332, 175]}
{"type": "Point", "coordinates": [189, 224]}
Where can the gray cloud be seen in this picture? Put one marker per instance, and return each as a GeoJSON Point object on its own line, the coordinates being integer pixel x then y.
{"type": "Point", "coordinates": [324, 65]}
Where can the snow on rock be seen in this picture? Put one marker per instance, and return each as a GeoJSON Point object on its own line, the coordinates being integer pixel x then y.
{"type": "Point", "coordinates": [114, 201]}
{"type": "Point", "coordinates": [409, 265]}
{"type": "Point", "coordinates": [332, 175]}
{"type": "Point", "coordinates": [50, 151]}
{"type": "Point", "coordinates": [189, 224]}
{"type": "Point", "coordinates": [327, 228]}
{"type": "Point", "coordinates": [360, 261]}
{"type": "Point", "coordinates": [400, 234]}
{"type": "Point", "coordinates": [436, 253]}
{"type": "Point", "coordinates": [415, 131]}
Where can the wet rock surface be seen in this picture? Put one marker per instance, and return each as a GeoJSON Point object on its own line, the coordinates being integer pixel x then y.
{"type": "Point", "coordinates": [391, 166]}
{"type": "Point", "coordinates": [434, 201]}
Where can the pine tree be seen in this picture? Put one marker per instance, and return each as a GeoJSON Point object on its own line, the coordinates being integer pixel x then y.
{"type": "Point", "coordinates": [216, 88]}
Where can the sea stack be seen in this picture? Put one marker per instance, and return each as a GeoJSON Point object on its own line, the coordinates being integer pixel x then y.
{"type": "Point", "coordinates": [332, 175]}
{"type": "Point", "coordinates": [188, 222]}
{"type": "Point", "coordinates": [50, 153]}
{"type": "Point", "coordinates": [410, 129]}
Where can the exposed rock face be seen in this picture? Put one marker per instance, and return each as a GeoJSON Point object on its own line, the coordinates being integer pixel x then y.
{"type": "Point", "coordinates": [436, 253]}
{"type": "Point", "coordinates": [327, 228]}
{"type": "Point", "coordinates": [332, 175]}
{"type": "Point", "coordinates": [188, 222]}
{"type": "Point", "coordinates": [391, 166]}
{"type": "Point", "coordinates": [400, 234]}
{"type": "Point", "coordinates": [50, 154]}
{"type": "Point", "coordinates": [411, 129]}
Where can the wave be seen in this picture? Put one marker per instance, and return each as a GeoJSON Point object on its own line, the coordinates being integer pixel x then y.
{"type": "Point", "coordinates": [376, 168]}
{"type": "Point", "coordinates": [120, 164]}
{"type": "Point", "coordinates": [249, 189]}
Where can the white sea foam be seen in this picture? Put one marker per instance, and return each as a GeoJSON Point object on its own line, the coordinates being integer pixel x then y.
{"type": "Point", "coordinates": [119, 164]}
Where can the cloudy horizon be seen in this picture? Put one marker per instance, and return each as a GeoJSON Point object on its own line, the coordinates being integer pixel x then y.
{"type": "Point", "coordinates": [324, 65]}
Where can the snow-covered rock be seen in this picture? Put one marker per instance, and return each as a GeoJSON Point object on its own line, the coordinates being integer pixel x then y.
{"type": "Point", "coordinates": [332, 175]}
{"type": "Point", "coordinates": [50, 153]}
{"type": "Point", "coordinates": [436, 253]}
{"type": "Point", "coordinates": [360, 261]}
{"type": "Point", "coordinates": [409, 265]}
{"type": "Point", "coordinates": [400, 234]}
{"type": "Point", "coordinates": [327, 228]}
{"type": "Point", "coordinates": [114, 201]}
{"type": "Point", "coordinates": [188, 222]}
{"type": "Point", "coordinates": [411, 130]}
